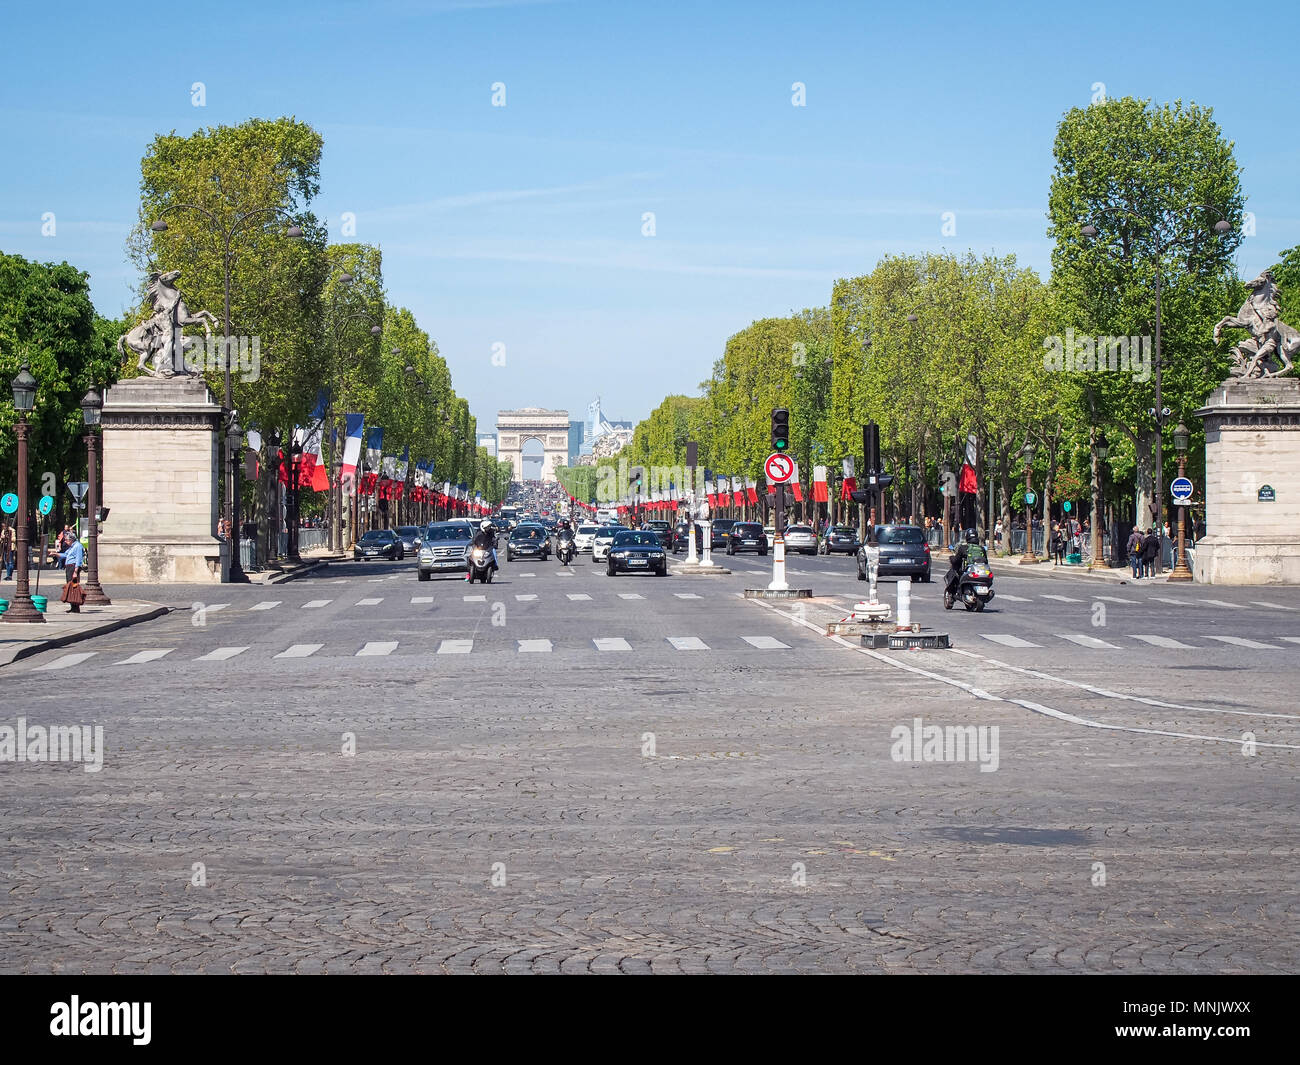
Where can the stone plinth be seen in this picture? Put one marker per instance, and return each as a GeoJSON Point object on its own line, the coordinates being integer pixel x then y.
{"type": "Point", "coordinates": [1252, 439]}
{"type": "Point", "coordinates": [161, 470]}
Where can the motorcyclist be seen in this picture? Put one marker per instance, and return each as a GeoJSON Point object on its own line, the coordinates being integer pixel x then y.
{"type": "Point", "coordinates": [958, 566]}
{"type": "Point", "coordinates": [485, 537]}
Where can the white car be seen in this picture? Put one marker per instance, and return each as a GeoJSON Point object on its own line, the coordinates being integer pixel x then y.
{"type": "Point", "coordinates": [583, 537]}
{"type": "Point", "coordinates": [601, 541]}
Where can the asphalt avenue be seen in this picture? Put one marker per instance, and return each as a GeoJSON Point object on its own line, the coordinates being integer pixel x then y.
{"type": "Point", "coordinates": [562, 771]}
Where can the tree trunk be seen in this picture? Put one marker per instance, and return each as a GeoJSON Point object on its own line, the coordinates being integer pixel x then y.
{"type": "Point", "coordinates": [1004, 486]}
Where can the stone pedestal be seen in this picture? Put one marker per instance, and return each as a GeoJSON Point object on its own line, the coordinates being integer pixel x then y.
{"type": "Point", "coordinates": [161, 471]}
{"type": "Point", "coordinates": [1252, 441]}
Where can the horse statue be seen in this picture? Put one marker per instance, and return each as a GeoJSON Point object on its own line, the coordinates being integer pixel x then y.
{"type": "Point", "coordinates": [1271, 341]}
{"type": "Point", "coordinates": [161, 337]}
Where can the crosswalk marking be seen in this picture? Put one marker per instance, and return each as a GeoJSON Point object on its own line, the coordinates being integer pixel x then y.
{"type": "Point", "coordinates": [377, 580]}
{"type": "Point", "coordinates": [1007, 640]}
{"type": "Point", "coordinates": [578, 596]}
{"type": "Point", "coordinates": [370, 602]}
{"type": "Point", "coordinates": [476, 598]}
{"type": "Point", "coordinates": [270, 604]}
{"type": "Point", "coordinates": [525, 598]}
{"type": "Point", "coordinates": [688, 643]}
{"type": "Point", "coordinates": [212, 608]}
{"type": "Point", "coordinates": [455, 647]}
{"type": "Point", "coordinates": [1241, 641]}
{"type": "Point", "coordinates": [316, 604]}
{"type": "Point", "coordinates": [766, 643]}
{"type": "Point", "coordinates": [1290, 639]}
{"type": "Point", "coordinates": [1062, 598]}
{"type": "Point", "coordinates": [66, 661]}
{"type": "Point", "coordinates": [378, 647]}
{"type": "Point", "coordinates": [1089, 641]}
{"type": "Point", "coordinates": [1162, 641]}
{"type": "Point", "coordinates": [1166, 599]}
{"type": "Point", "coordinates": [151, 655]}
{"type": "Point", "coordinates": [687, 595]}
{"type": "Point", "coordinates": [1114, 599]}
{"type": "Point", "coordinates": [526, 575]}
{"type": "Point", "coordinates": [630, 595]}
{"type": "Point", "coordinates": [1220, 602]}
{"type": "Point", "coordinates": [300, 650]}
{"type": "Point", "coordinates": [611, 643]}
{"type": "Point", "coordinates": [1272, 606]}
{"type": "Point", "coordinates": [415, 599]}
{"type": "Point", "coordinates": [1013, 598]}
{"type": "Point", "coordinates": [534, 645]}
{"type": "Point", "coordinates": [221, 654]}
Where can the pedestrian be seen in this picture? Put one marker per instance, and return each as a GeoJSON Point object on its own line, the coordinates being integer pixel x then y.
{"type": "Point", "coordinates": [73, 594]}
{"type": "Point", "coordinates": [1150, 549]}
{"type": "Point", "coordinates": [7, 551]}
{"type": "Point", "coordinates": [1134, 547]}
{"type": "Point", "coordinates": [1058, 545]}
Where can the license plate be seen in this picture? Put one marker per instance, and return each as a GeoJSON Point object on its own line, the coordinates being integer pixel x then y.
{"type": "Point", "coordinates": [636, 561]}
{"type": "Point", "coordinates": [983, 591]}
{"type": "Point", "coordinates": [751, 543]}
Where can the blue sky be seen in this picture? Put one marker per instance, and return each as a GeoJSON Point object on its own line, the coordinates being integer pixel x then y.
{"type": "Point", "coordinates": [522, 225]}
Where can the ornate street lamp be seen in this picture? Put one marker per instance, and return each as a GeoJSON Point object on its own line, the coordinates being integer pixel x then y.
{"type": "Point", "coordinates": [22, 608]}
{"type": "Point", "coordinates": [91, 408]}
{"type": "Point", "coordinates": [234, 443]}
{"type": "Point", "coordinates": [1101, 448]}
{"type": "Point", "coordinates": [1181, 572]}
{"type": "Point", "coordinates": [1029, 558]}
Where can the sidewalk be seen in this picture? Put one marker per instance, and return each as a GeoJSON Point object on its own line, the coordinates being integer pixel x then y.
{"type": "Point", "coordinates": [1010, 567]}
{"type": "Point", "coordinates": [22, 639]}
{"type": "Point", "coordinates": [279, 571]}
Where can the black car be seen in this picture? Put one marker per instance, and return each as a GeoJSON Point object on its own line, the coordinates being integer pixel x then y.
{"type": "Point", "coordinates": [528, 541]}
{"type": "Point", "coordinates": [378, 543]}
{"type": "Point", "coordinates": [680, 542]}
{"type": "Point", "coordinates": [721, 529]}
{"type": "Point", "coordinates": [747, 536]}
{"type": "Point", "coordinates": [903, 553]}
{"type": "Point", "coordinates": [665, 531]}
{"type": "Point", "coordinates": [637, 551]}
{"type": "Point", "coordinates": [840, 538]}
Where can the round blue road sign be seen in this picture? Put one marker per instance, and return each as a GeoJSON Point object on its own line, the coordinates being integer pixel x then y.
{"type": "Point", "coordinates": [9, 503]}
{"type": "Point", "coordinates": [46, 504]}
{"type": "Point", "coordinates": [1181, 489]}
{"type": "Point", "coordinates": [1067, 506]}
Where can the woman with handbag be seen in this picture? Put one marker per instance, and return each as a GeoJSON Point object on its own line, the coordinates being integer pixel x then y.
{"type": "Point", "coordinates": [73, 594]}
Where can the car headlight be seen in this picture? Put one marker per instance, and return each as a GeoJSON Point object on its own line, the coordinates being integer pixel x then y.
{"type": "Point", "coordinates": [656, 554]}
{"type": "Point", "coordinates": [619, 554]}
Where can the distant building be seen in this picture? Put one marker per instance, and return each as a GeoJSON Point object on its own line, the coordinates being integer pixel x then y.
{"type": "Point", "coordinates": [489, 442]}
{"type": "Point", "coordinates": [577, 431]}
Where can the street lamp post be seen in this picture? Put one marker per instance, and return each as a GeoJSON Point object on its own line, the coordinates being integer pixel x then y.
{"type": "Point", "coordinates": [1181, 572]}
{"type": "Point", "coordinates": [1161, 246]}
{"type": "Point", "coordinates": [1029, 558]}
{"type": "Point", "coordinates": [1100, 450]}
{"type": "Point", "coordinates": [91, 408]}
{"type": "Point", "coordinates": [22, 608]}
{"type": "Point", "coordinates": [234, 441]}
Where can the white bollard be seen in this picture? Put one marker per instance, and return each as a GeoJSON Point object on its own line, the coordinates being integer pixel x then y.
{"type": "Point", "coordinates": [904, 605]}
{"type": "Point", "coordinates": [778, 583]}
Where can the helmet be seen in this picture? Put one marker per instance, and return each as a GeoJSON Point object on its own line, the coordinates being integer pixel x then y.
{"type": "Point", "coordinates": [485, 525]}
{"type": "Point", "coordinates": [971, 537]}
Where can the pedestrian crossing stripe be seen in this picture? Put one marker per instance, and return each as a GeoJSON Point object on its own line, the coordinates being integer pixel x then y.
{"type": "Point", "coordinates": [369, 602]}
{"type": "Point", "coordinates": [630, 595]}
{"type": "Point", "coordinates": [1013, 598]}
{"type": "Point", "coordinates": [687, 595]}
{"type": "Point", "coordinates": [300, 650]}
{"type": "Point", "coordinates": [688, 643]}
{"type": "Point", "coordinates": [1115, 599]}
{"type": "Point", "coordinates": [378, 648]}
{"type": "Point", "coordinates": [455, 647]}
{"type": "Point", "coordinates": [270, 604]}
{"type": "Point", "coordinates": [221, 654]}
{"type": "Point", "coordinates": [1007, 640]}
{"type": "Point", "coordinates": [1063, 598]}
{"type": "Point", "coordinates": [525, 598]}
{"type": "Point", "coordinates": [476, 598]}
{"type": "Point", "coordinates": [1220, 602]}
{"type": "Point", "coordinates": [611, 643]}
{"type": "Point", "coordinates": [417, 599]}
{"type": "Point", "coordinates": [534, 645]}
{"type": "Point", "coordinates": [579, 597]}
{"type": "Point", "coordinates": [66, 661]}
{"type": "Point", "coordinates": [1166, 599]}
{"type": "Point", "coordinates": [766, 643]}
{"type": "Point", "coordinates": [1241, 641]}
{"type": "Point", "coordinates": [316, 604]}
{"type": "Point", "coordinates": [1162, 641]}
{"type": "Point", "coordinates": [1090, 641]}
{"type": "Point", "coordinates": [151, 655]}
{"type": "Point", "coordinates": [1271, 606]}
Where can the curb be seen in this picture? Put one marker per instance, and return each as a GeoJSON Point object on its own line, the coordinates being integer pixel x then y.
{"type": "Point", "coordinates": [36, 647]}
{"type": "Point", "coordinates": [281, 578]}
{"type": "Point", "coordinates": [1112, 574]}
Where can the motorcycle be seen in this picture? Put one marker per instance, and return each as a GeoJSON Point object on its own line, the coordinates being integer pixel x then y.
{"type": "Point", "coordinates": [974, 587]}
{"type": "Point", "coordinates": [480, 565]}
{"type": "Point", "coordinates": [565, 550]}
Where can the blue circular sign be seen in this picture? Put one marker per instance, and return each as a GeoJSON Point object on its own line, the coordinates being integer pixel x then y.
{"type": "Point", "coordinates": [1181, 489]}
{"type": "Point", "coordinates": [1067, 506]}
{"type": "Point", "coordinates": [46, 504]}
{"type": "Point", "coordinates": [9, 503]}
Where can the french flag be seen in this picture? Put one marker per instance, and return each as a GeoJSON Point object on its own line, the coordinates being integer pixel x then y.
{"type": "Point", "coordinates": [352, 446]}
{"type": "Point", "coordinates": [821, 493]}
{"type": "Point", "coordinates": [968, 482]}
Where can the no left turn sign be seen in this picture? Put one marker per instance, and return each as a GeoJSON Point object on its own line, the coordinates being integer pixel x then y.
{"type": "Point", "coordinates": [779, 468]}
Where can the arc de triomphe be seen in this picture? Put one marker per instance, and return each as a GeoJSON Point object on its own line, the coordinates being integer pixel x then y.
{"type": "Point", "coordinates": [550, 427]}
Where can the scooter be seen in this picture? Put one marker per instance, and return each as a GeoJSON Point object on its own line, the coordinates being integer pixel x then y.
{"type": "Point", "coordinates": [565, 550]}
{"type": "Point", "coordinates": [480, 565]}
{"type": "Point", "coordinates": [974, 587]}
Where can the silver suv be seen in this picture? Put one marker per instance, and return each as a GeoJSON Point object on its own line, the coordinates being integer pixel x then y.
{"type": "Point", "coordinates": [443, 548]}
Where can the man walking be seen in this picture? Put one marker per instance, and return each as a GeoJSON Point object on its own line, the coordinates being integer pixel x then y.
{"type": "Point", "coordinates": [1134, 547]}
{"type": "Point", "coordinates": [1150, 549]}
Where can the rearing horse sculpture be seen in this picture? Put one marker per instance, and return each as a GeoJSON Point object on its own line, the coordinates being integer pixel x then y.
{"type": "Point", "coordinates": [160, 337]}
{"type": "Point", "coordinates": [1271, 340]}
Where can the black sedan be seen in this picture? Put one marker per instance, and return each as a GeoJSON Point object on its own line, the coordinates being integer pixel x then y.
{"type": "Point", "coordinates": [903, 553]}
{"type": "Point", "coordinates": [637, 551]}
{"type": "Point", "coordinates": [747, 536]}
{"type": "Point", "coordinates": [721, 530]}
{"type": "Point", "coordinates": [665, 531]}
{"type": "Point", "coordinates": [378, 543]}
{"type": "Point", "coordinates": [528, 541]}
{"type": "Point", "coordinates": [680, 543]}
{"type": "Point", "coordinates": [841, 538]}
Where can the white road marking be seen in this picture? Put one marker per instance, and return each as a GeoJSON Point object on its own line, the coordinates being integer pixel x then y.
{"type": "Point", "coordinates": [1220, 602]}
{"type": "Point", "coordinates": [630, 595]}
{"type": "Point", "coordinates": [1062, 598]}
{"type": "Point", "coordinates": [270, 604]}
{"type": "Point", "coordinates": [578, 596]}
{"type": "Point", "coordinates": [221, 654]}
{"type": "Point", "coordinates": [369, 602]}
{"type": "Point", "coordinates": [1013, 598]}
{"type": "Point", "coordinates": [421, 599]}
{"type": "Point", "coordinates": [688, 643]}
{"type": "Point", "coordinates": [1162, 641]}
{"type": "Point", "coordinates": [1114, 599]}
{"type": "Point", "coordinates": [377, 648]}
{"type": "Point", "coordinates": [611, 643]}
{"type": "Point", "coordinates": [152, 655]}
{"type": "Point", "coordinates": [316, 604]}
{"type": "Point", "coordinates": [212, 608]}
{"type": "Point", "coordinates": [1175, 602]}
{"type": "Point", "coordinates": [534, 645]}
{"type": "Point", "coordinates": [687, 595]}
{"type": "Point", "coordinates": [1241, 641]}
{"type": "Point", "coordinates": [1290, 639]}
{"type": "Point", "coordinates": [300, 650]}
{"type": "Point", "coordinates": [476, 598]}
{"type": "Point", "coordinates": [766, 643]}
{"type": "Point", "coordinates": [455, 647]}
{"type": "Point", "coordinates": [66, 661]}
{"type": "Point", "coordinates": [1272, 606]}
{"type": "Point", "coordinates": [1008, 641]}
{"type": "Point", "coordinates": [1089, 641]}
{"type": "Point", "coordinates": [525, 598]}
{"type": "Point", "coordinates": [525, 574]}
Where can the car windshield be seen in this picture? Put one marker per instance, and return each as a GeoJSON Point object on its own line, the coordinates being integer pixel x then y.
{"type": "Point", "coordinates": [628, 539]}
{"type": "Point", "coordinates": [447, 532]}
{"type": "Point", "coordinates": [605, 534]}
{"type": "Point", "coordinates": [844, 530]}
{"type": "Point", "coordinates": [526, 533]}
{"type": "Point", "coordinates": [377, 536]}
{"type": "Point", "coordinates": [799, 529]}
{"type": "Point", "coordinates": [409, 530]}
{"type": "Point", "coordinates": [586, 530]}
{"type": "Point", "coordinates": [899, 534]}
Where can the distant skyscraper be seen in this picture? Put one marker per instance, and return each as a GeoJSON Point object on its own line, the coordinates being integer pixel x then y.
{"type": "Point", "coordinates": [576, 433]}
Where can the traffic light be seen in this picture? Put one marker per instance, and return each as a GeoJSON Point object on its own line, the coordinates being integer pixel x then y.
{"type": "Point", "coordinates": [780, 429]}
{"type": "Point", "coordinates": [871, 448]}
